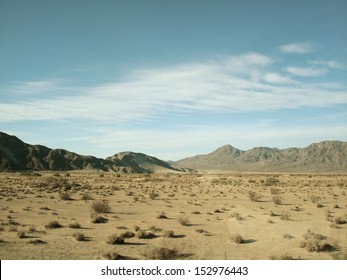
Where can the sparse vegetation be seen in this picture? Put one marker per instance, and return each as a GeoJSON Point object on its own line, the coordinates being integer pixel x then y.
{"type": "Point", "coordinates": [236, 238]}
{"type": "Point", "coordinates": [101, 206]}
{"type": "Point", "coordinates": [314, 198]}
{"type": "Point", "coordinates": [114, 239]}
{"type": "Point", "coordinates": [53, 225]}
{"type": "Point", "coordinates": [270, 181]}
{"type": "Point", "coordinates": [161, 253]}
{"type": "Point", "coordinates": [184, 220]}
{"type": "Point", "coordinates": [21, 234]}
{"type": "Point", "coordinates": [99, 220]}
{"type": "Point", "coordinates": [315, 242]}
{"type": "Point", "coordinates": [134, 224]}
{"type": "Point", "coordinates": [253, 196]}
{"type": "Point", "coordinates": [145, 234]}
{"type": "Point", "coordinates": [161, 216]}
{"type": "Point", "coordinates": [74, 225]}
{"type": "Point", "coordinates": [113, 256]}
{"type": "Point", "coordinates": [168, 233]}
{"type": "Point", "coordinates": [79, 236]}
{"type": "Point", "coordinates": [65, 196]}
{"type": "Point", "coordinates": [277, 199]}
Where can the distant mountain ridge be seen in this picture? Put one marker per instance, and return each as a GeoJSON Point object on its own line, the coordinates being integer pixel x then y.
{"type": "Point", "coordinates": [17, 155]}
{"type": "Point", "coordinates": [326, 156]}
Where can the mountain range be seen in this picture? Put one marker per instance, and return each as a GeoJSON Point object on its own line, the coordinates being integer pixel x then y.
{"type": "Point", "coordinates": [326, 156]}
{"type": "Point", "coordinates": [17, 155]}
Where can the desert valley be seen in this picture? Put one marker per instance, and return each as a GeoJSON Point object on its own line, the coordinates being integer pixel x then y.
{"type": "Point", "coordinates": [230, 204]}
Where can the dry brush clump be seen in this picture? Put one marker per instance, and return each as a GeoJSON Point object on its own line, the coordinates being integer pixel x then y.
{"type": "Point", "coordinates": [237, 238]}
{"type": "Point", "coordinates": [145, 234]}
{"type": "Point", "coordinates": [253, 196]}
{"type": "Point", "coordinates": [314, 198]}
{"type": "Point", "coordinates": [113, 256]}
{"type": "Point", "coordinates": [315, 242]}
{"type": "Point", "coordinates": [98, 219]}
{"type": "Point", "coordinates": [161, 253]}
{"type": "Point", "coordinates": [65, 196]}
{"type": "Point", "coordinates": [184, 221]}
{"type": "Point", "coordinates": [79, 236]}
{"type": "Point", "coordinates": [75, 225]}
{"type": "Point", "coordinates": [168, 234]}
{"type": "Point", "coordinates": [271, 181]}
{"type": "Point", "coordinates": [101, 206]}
{"type": "Point", "coordinates": [162, 216]}
{"type": "Point", "coordinates": [277, 199]}
{"type": "Point", "coordinates": [53, 225]}
{"type": "Point", "coordinates": [114, 239]}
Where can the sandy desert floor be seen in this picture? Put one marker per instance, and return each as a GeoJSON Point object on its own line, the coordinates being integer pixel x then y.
{"type": "Point", "coordinates": [90, 215]}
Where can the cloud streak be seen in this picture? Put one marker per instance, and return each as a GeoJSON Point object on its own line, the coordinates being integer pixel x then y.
{"type": "Point", "coordinates": [244, 83]}
{"type": "Point", "coordinates": [297, 48]}
{"type": "Point", "coordinates": [306, 72]}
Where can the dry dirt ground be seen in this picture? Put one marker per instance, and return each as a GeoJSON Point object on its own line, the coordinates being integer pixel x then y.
{"type": "Point", "coordinates": [86, 215]}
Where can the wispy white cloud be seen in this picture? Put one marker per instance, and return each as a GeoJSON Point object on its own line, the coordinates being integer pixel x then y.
{"type": "Point", "coordinates": [244, 83]}
{"type": "Point", "coordinates": [330, 64]}
{"type": "Point", "coordinates": [297, 48]}
{"type": "Point", "coordinates": [277, 78]}
{"type": "Point", "coordinates": [306, 72]}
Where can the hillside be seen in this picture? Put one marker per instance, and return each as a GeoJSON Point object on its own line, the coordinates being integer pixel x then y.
{"type": "Point", "coordinates": [326, 156]}
{"type": "Point", "coordinates": [17, 155]}
{"type": "Point", "coordinates": [141, 162]}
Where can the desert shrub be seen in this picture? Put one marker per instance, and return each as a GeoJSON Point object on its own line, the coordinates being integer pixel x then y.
{"type": "Point", "coordinates": [22, 234]}
{"type": "Point", "coordinates": [237, 216]}
{"type": "Point", "coordinates": [86, 197]}
{"type": "Point", "coordinates": [340, 220]}
{"type": "Point", "coordinates": [99, 220]}
{"type": "Point", "coordinates": [37, 242]}
{"type": "Point", "coordinates": [79, 236]}
{"type": "Point", "coordinates": [126, 234]}
{"type": "Point", "coordinates": [277, 199]}
{"type": "Point", "coordinates": [168, 234]}
{"type": "Point", "coordinates": [137, 228]}
{"type": "Point", "coordinates": [184, 221]}
{"type": "Point", "coordinates": [314, 198]}
{"type": "Point", "coordinates": [253, 196]}
{"type": "Point", "coordinates": [64, 196]}
{"type": "Point", "coordinates": [315, 242]}
{"type": "Point", "coordinates": [274, 191]}
{"type": "Point", "coordinates": [101, 206]}
{"type": "Point", "coordinates": [282, 257]}
{"type": "Point", "coordinates": [113, 256]}
{"type": "Point", "coordinates": [145, 234]}
{"type": "Point", "coordinates": [53, 224]}
{"type": "Point", "coordinates": [114, 239]}
{"type": "Point", "coordinates": [270, 181]}
{"type": "Point", "coordinates": [236, 238]}
{"type": "Point", "coordinates": [272, 214]}
{"type": "Point", "coordinates": [153, 195]}
{"type": "Point", "coordinates": [285, 216]}
{"type": "Point", "coordinates": [75, 225]}
{"type": "Point", "coordinates": [161, 253]}
{"type": "Point", "coordinates": [155, 229]}
{"type": "Point", "coordinates": [161, 216]}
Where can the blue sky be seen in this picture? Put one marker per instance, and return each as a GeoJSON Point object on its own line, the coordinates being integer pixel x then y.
{"type": "Point", "coordinates": [173, 78]}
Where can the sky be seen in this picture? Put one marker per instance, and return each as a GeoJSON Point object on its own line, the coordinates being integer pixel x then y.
{"type": "Point", "coordinates": [173, 79]}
